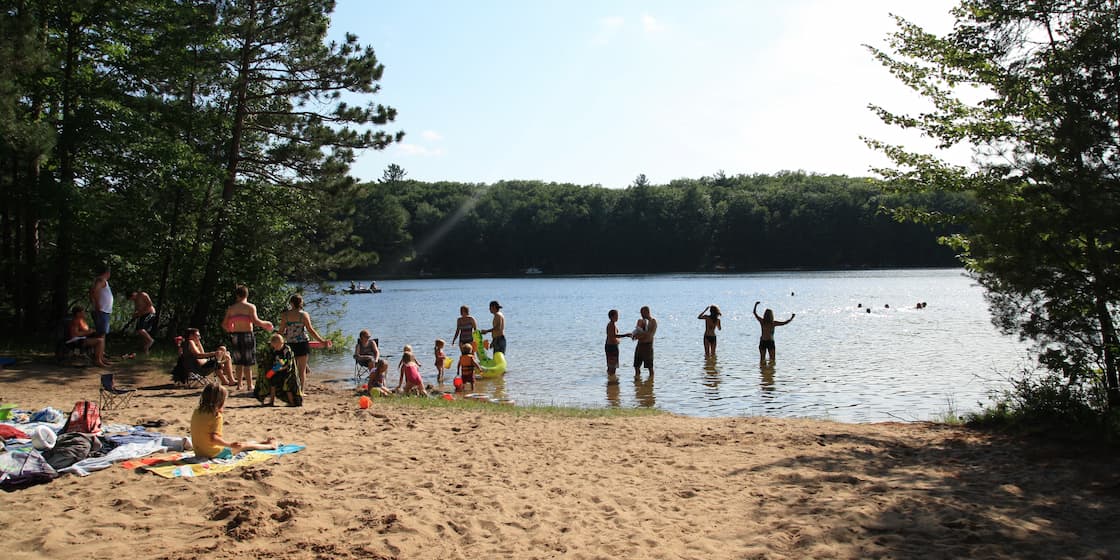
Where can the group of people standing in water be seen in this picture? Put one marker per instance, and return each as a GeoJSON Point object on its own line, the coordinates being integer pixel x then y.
{"type": "Point", "coordinates": [646, 328]}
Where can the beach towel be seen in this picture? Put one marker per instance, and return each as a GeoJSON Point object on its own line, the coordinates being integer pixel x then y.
{"type": "Point", "coordinates": [116, 455]}
{"type": "Point", "coordinates": [149, 461]}
{"type": "Point", "coordinates": [197, 466]}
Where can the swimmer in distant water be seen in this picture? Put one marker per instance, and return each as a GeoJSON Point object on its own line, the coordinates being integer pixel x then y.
{"type": "Point", "coordinates": [710, 316]}
{"type": "Point", "coordinates": [766, 341]}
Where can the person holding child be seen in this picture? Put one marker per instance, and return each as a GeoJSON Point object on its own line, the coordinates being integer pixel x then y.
{"type": "Point", "coordinates": [468, 365]}
{"type": "Point", "coordinates": [206, 428]}
{"type": "Point", "coordinates": [410, 375]}
{"type": "Point", "coordinates": [281, 377]}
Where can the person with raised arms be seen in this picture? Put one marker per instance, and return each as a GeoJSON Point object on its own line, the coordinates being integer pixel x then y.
{"type": "Point", "coordinates": [767, 322]}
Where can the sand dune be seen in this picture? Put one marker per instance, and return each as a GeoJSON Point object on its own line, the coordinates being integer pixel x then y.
{"type": "Point", "coordinates": [404, 482]}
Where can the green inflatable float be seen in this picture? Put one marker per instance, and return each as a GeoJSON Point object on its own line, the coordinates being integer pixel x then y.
{"type": "Point", "coordinates": [491, 367]}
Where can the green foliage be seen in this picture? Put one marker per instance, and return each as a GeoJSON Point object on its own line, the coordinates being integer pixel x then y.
{"type": "Point", "coordinates": [1033, 87]}
{"type": "Point", "coordinates": [1045, 402]}
{"type": "Point", "coordinates": [191, 145]}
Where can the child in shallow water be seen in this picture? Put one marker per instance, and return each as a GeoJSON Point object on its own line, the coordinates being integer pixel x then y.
{"type": "Point", "coordinates": [468, 365]}
{"type": "Point", "coordinates": [440, 359]}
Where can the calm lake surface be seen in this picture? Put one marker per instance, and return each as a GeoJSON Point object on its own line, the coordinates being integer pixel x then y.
{"type": "Point", "coordinates": [834, 360]}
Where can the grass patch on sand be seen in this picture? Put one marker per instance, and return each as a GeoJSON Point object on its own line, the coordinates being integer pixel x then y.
{"type": "Point", "coordinates": [517, 409]}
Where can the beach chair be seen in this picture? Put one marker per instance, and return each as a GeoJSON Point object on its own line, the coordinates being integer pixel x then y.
{"type": "Point", "coordinates": [188, 373]}
{"type": "Point", "coordinates": [110, 396]}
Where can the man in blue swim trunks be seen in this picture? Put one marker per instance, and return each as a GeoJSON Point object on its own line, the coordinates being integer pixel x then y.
{"type": "Point", "coordinates": [101, 298]}
{"type": "Point", "coordinates": [498, 333]}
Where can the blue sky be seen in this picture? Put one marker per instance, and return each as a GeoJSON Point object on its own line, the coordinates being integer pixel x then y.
{"type": "Point", "coordinates": [597, 92]}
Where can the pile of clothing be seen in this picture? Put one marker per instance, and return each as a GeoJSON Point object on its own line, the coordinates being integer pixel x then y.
{"type": "Point", "coordinates": [39, 446]}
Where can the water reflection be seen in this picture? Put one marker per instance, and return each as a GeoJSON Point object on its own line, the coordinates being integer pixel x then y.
{"type": "Point", "coordinates": [614, 394]}
{"type": "Point", "coordinates": [766, 384]}
{"type": "Point", "coordinates": [643, 391]}
{"type": "Point", "coordinates": [711, 377]}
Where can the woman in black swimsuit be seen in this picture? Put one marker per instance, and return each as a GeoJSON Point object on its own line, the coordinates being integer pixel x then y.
{"type": "Point", "coordinates": [710, 316]}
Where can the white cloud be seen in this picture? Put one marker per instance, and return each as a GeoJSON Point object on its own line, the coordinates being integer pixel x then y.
{"type": "Point", "coordinates": [607, 29]}
{"type": "Point", "coordinates": [431, 135]}
{"type": "Point", "coordinates": [650, 24]}
{"type": "Point", "coordinates": [418, 151]}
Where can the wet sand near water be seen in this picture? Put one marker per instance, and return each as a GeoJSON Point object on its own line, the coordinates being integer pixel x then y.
{"type": "Point", "coordinates": [405, 482]}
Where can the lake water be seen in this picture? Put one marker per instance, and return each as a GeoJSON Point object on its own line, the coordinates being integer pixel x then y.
{"type": "Point", "coordinates": [834, 360]}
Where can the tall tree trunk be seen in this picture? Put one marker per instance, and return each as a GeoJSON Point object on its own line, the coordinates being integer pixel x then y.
{"type": "Point", "coordinates": [229, 184]}
{"type": "Point", "coordinates": [29, 267]}
{"type": "Point", "coordinates": [7, 235]}
{"type": "Point", "coordinates": [62, 267]}
{"type": "Point", "coordinates": [1104, 317]}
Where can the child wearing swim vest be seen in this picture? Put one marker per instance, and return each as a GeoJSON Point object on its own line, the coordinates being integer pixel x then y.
{"type": "Point", "coordinates": [206, 427]}
{"type": "Point", "coordinates": [468, 364]}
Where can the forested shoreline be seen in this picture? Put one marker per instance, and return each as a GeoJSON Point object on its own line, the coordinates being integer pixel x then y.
{"type": "Point", "coordinates": [718, 223]}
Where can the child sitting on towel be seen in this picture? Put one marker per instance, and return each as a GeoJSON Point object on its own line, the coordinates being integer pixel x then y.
{"type": "Point", "coordinates": [206, 427]}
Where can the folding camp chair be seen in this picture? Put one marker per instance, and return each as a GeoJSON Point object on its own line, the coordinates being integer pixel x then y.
{"type": "Point", "coordinates": [188, 373]}
{"type": "Point", "coordinates": [110, 396]}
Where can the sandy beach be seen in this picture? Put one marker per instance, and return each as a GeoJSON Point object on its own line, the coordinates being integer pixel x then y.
{"type": "Point", "coordinates": [398, 481]}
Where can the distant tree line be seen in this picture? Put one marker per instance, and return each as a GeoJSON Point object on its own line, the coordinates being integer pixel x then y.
{"type": "Point", "coordinates": [718, 223]}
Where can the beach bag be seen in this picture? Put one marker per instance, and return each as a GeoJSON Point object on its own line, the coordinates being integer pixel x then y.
{"type": "Point", "coordinates": [69, 449]}
{"type": "Point", "coordinates": [84, 419]}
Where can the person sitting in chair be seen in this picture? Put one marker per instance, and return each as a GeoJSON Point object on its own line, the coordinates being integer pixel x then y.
{"type": "Point", "coordinates": [79, 331]}
{"type": "Point", "coordinates": [217, 360]}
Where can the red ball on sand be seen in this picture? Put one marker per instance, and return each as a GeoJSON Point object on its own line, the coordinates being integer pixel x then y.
{"type": "Point", "coordinates": [363, 402]}
{"type": "Point", "coordinates": [458, 383]}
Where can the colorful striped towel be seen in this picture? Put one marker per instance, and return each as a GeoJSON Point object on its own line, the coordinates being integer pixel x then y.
{"type": "Point", "coordinates": [196, 466]}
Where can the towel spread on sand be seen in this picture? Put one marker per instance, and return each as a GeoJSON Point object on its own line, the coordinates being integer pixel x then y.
{"type": "Point", "coordinates": [198, 466]}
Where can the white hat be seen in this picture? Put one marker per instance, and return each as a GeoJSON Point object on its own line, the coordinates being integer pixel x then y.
{"type": "Point", "coordinates": [43, 438]}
